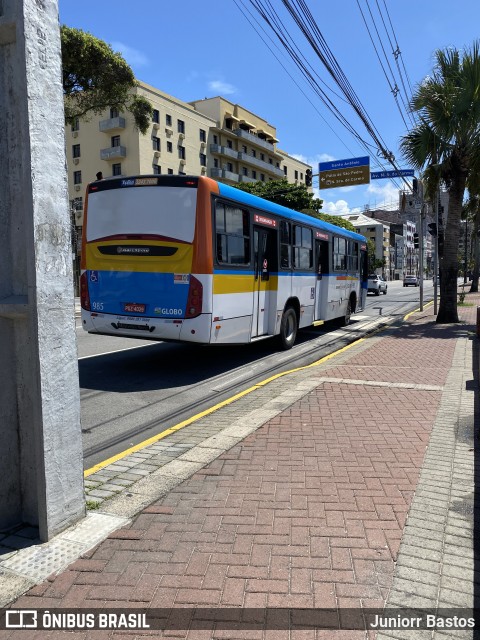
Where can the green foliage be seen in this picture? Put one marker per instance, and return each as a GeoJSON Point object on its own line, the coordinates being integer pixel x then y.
{"type": "Point", "coordinates": [337, 220]}
{"type": "Point", "coordinates": [446, 144]}
{"type": "Point", "coordinates": [373, 262]}
{"type": "Point", "coordinates": [96, 78]}
{"type": "Point", "coordinates": [293, 196]}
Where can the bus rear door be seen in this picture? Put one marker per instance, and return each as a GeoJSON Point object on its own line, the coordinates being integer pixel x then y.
{"type": "Point", "coordinates": [264, 248]}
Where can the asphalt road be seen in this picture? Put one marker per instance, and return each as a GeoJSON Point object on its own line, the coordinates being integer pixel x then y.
{"type": "Point", "coordinates": [133, 389]}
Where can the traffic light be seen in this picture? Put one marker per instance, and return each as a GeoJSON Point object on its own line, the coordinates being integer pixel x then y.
{"type": "Point", "coordinates": [415, 240]}
{"type": "Point", "coordinates": [432, 229]}
{"type": "Point", "coordinates": [308, 178]}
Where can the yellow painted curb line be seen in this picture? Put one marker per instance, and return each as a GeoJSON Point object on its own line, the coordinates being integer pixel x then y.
{"type": "Point", "coordinates": [417, 310]}
{"type": "Point", "coordinates": [198, 416]}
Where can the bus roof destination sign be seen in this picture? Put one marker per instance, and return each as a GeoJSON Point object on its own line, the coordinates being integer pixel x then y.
{"type": "Point", "coordinates": [344, 173]}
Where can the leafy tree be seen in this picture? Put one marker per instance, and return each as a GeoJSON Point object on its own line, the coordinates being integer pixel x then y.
{"type": "Point", "coordinates": [96, 78]}
{"type": "Point", "coordinates": [447, 143]}
{"type": "Point", "coordinates": [284, 193]}
{"type": "Point", "coordinates": [374, 263]}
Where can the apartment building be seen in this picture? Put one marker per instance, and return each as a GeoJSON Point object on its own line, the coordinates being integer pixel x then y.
{"type": "Point", "coordinates": [211, 137]}
{"type": "Point", "coordinates": [378, 233]}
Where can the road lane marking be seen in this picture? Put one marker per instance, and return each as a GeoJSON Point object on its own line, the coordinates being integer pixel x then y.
{"type": "Point", "coordinates": [107, 353]}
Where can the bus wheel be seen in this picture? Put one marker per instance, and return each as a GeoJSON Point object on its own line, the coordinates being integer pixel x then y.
{"type": "Point", "coordinates": [348, 314]}
{"type": "Point", "coordinates": [288, 328]}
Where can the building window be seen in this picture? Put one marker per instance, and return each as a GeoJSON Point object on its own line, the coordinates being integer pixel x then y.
{"type": "Point", "coordinates": [262, 157]}
{"type": "Point", "coordinates": [229, 144]}
{"type": "Point", "coordinates": [181, 152]}
{"type": "Point", "coordinates": [168, 120]}
{"type": "Point", "coordinates": [170, 172]}
{"type": "Point", "coordinates": [230, 167]}
{"type": "Point", "coordinates": [156, 116]}
{"type": "Point", "coordinates": [244, 148]}
{"type": "Point", "coordinates": [254, 175]}
{"type": "Point", "coordinates": [262, 177]}
{"type": "Point", "coordinates": [245, 171]}
{"type": "Point", "coordinates": [203, 160]}
{"type": "Point", "coordinates": [270, 161]}
{"type": "Point", "coordinates": [301, 176]}
{"type": "Point", "coordinates": [203, 135]}
{"type": "Point", "coordinates": [157, 170]}
{"type": "Point", "coordinates": [285, 169]}
{"type": "Point", "coordinates": [302, 248]}
{"type": "Point", "coordinates": [169, 147]}
{"type": "Point", "coordinates": [232, 229]}
{"type": "Point", "coordinates": [115, 140]}
{"type": "Point", "coordinates": [76, 124]}
{"type": "Point", "coordinates": [228, 123]}
{"type": "Point", "coordinates": [77, 177]}
{"type": "Point", "coordinates": [114, 112]}
{"type": "Point", "coordinates": [215, 163]}
{"type": "Point", "coordinates": [296, 175]}
{"type": "Point", "coordinates": [254, 153]}
{"type": "Point", "coordinates": [117, 169]}
{"type": "Point", "coordinates": [156, 143]}
{"type": "Point", "coordinates": [76, 151]}
{"type": "Point", "coordinates": [215, 139]}
{"type": "Point", "coordinates": [278, 165]}
{"type": "Point", "coordinates": [180, 126]}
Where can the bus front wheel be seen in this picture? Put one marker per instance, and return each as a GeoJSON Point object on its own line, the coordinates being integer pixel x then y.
{"type": "Point", "coordinates": [288, 328]}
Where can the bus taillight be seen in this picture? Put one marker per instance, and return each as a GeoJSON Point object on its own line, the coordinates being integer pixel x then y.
{"type": "Point", "coordinates": [84, 297]}
{"type": "Point", "coordinates": [195, 298]}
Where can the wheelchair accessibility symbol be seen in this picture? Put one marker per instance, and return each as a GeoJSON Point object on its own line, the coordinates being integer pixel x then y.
{"type": "Point", "coordinates": [93, 276]}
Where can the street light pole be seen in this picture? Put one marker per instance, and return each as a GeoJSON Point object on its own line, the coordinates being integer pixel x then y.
{"type": "Point", "coordinates": [465, 254]}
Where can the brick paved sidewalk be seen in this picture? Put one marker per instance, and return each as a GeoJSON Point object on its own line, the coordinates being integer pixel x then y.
{"type": "Point", "coordinates": [306, 512]}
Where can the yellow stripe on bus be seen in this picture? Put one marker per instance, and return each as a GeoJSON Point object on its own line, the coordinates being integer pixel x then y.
{"type": "Point", "coordinates": [180, 262]}
{"type": "Point", "coordinates": [241, 283]}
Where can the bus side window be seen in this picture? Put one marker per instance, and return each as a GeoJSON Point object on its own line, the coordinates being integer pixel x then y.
{"type": "Point", "coordinates": [285, 245]}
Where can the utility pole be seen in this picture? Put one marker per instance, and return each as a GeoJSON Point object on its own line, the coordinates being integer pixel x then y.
{"type": "Point", "coordinates": [465, 256]}
{"type": "Point", "coordinates": [421, 243]}
{"type": "Point", "coordinates": [41, 460]}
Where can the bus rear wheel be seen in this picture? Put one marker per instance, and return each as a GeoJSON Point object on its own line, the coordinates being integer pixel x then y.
{"type": "Point", "coordinates": [288, 329]}
{"type": "Point", "coordinates": [348, 314]}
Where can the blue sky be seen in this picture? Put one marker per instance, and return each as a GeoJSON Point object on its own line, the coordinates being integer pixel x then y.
{"type": "Point", "coordinates": [198, 49]}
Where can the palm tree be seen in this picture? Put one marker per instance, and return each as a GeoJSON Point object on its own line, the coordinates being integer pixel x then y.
{"type": "Point", "coordinates": [446, 142]}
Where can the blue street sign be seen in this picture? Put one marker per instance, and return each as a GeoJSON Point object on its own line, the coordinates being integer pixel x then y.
{"type": "Point", "coordinates": [375, 175]}
{"type": "Point", "coordinates": [349, 163]}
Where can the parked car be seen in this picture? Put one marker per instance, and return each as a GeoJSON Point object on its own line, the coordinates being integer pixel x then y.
{"type": "Point", "coordinates": [410, 280]}
{"type": "Point", "coordinates": [376, 284]}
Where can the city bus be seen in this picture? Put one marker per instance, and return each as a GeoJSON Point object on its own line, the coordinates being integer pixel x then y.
{"type": "Point", "coordinates": [190, 259]}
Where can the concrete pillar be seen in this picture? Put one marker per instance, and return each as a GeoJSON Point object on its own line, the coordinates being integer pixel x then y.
{"type": "Point", "coordinates": [41, 470]}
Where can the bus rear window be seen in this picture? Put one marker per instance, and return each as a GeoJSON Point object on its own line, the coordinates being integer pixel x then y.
{"type": "Point", "coordinates": [232, 226]}
{"type": "Point", "coordinates": [163, 211]}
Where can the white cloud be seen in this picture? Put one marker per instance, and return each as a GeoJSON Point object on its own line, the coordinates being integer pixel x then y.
{"type": "Point", "coordinates": [134, 57]}
{"type": "Point", "coordinates": [222, 88]}
{"type": "Point", "coordinates": [384, 193]}
{"type": "Point", "coordinates": [313, 160]}
{"type": "Point", "coordinates": [340, 206]}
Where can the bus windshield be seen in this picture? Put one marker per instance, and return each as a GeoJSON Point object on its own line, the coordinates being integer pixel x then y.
{"type": "Point", "coordinates": [163, 211]}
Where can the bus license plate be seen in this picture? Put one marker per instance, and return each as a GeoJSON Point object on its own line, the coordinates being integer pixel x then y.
{"type": "Point", "coordinates": [133, 307]}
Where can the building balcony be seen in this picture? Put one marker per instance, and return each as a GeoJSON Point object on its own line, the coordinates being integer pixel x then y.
{"type": "Point", "coordinates": [112, 153]}
{"type": "Point", "coordinates": [111, 124]}
{"type": "Point", "coordinates": [223, 174]}
{"type": "Point", "coordinates": [246, 179]}
{"type": "Point", "coordinates": [223, 151]}
{"type": "Point", "coordinates": [260, 164]}
{"type": "Point", "coordinates": [245, 135]}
